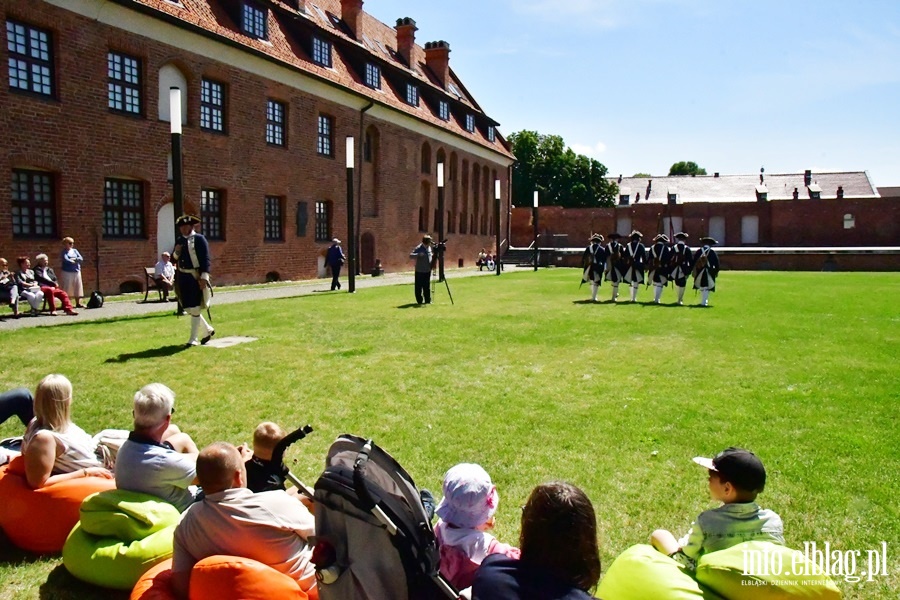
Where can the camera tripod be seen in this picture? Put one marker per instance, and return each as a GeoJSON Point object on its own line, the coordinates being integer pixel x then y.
{"type": "Point", "coordinates": [434, 280]}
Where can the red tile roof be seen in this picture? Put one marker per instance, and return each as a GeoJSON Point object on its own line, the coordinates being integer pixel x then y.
{"type": "Point", "coordinates": [378, 41]}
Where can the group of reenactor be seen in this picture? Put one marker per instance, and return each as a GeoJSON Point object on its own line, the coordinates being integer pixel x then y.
{"type": "Point", "coordinates": [662, 261]}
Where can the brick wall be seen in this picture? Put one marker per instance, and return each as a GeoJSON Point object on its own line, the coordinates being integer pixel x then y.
{"type": "Point", "coordinates": [76, 138]}
{"type": "Point", "coordinates": [781, 223]}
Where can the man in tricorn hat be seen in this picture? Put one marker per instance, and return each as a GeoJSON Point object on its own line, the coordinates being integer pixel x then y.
{"type": "Point", "coordinates": [593, 260]}
{"type": "Point", "coordinates": [423, 255]}
{"type": "Point", "coordinates": [615, 267]}
{"type": "Point", "coordinates": [191, 256]}
{"type": "Point", "coordinates": [635, 255]}
{"type": "Point", "coordinates": [706, 268]}
{"type": "Point", "coordinates": [660, 257]}
{"type": "Point", "coordinates": [682, 263]}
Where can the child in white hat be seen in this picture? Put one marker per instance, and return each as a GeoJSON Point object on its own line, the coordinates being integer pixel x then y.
{"type": "Point", "coordinates": [466, 514]}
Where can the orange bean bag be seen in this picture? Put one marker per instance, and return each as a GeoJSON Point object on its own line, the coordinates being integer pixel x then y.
{"type": "Point", "coordinates": [222, 578]}
{"type": "Point", "coordinates": [40, 520]}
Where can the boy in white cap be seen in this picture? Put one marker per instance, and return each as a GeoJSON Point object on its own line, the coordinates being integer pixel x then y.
{"type": "Point", "coordinates": [736, 476]}
{"type": "Point", "coordinates": [466, 513]}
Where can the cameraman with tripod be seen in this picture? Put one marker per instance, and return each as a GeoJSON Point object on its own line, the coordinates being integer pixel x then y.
{"type": "Point", "coordinates": [423, 255]}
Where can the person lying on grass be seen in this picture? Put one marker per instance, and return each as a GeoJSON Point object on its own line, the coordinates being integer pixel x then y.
{"type": "Point", "coordinates": [736, 477]}
{"type": "Point", "coordinates": [54, 448]}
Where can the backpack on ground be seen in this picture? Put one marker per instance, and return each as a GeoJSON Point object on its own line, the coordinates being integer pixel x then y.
{"type": "Point", "coordinates": [96, 300]}
{"type": "Point", "coordinates": [373, 535]}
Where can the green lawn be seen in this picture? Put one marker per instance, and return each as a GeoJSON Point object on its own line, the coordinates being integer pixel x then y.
{"type": "Point", "coordinates": [527, 379]}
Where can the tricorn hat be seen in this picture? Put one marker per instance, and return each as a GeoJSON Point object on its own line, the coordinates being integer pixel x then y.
{"type": "Point", "coordinates": [662, 237]}
{"type": "Point", "coordinates": [636, 233]}
{"type": "Point", "coordinates": [186, 220]}
{"type": "Point", "coordinates": [597, 237]}
{"type": "Point", "coordinates": [681, 236]}
{"type": "Point", "coordinates": [709, 240]}
{"type": "Point", "coordinates": [614, 235]}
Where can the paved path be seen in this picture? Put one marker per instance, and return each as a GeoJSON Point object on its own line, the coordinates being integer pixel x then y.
{"type": "Point", "coordinates": [127, 308]}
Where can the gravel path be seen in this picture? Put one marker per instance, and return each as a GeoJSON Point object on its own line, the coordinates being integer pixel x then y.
{"type": "Point", "coordinates": [117, 309]}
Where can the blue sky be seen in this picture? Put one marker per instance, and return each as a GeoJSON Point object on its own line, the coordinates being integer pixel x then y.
{"type": "Point", "coordinates": [733, 85]}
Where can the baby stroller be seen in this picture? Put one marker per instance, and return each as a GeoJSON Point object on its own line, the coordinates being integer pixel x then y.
{"type": "Point", "coordinates": [374, 540]}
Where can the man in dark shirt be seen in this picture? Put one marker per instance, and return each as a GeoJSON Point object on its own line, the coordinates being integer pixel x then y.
{"type": "Point", "coordinates": [335, 259]}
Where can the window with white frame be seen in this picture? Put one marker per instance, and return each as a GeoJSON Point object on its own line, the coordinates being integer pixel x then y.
{"type": "Point", "coordinates": [323, 221]}
{"type": "Point", "coordinates": [470, 123]}
{"type": "Point", "coordinates": [491, 134]}
{"type": "Point", "coordinates": [444, 110]}
{"type": "Point", "coordinates": [124, 84]}
{"type": "Point", "coordinates": [30, 58]}
{"type": "Point", "coordinates": [373, 76]}
{"type": "Point", "coordinates": [321, 52]}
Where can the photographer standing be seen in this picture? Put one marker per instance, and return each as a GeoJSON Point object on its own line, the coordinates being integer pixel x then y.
{"type": "Point", "coordinates": [335, 259]}
{"type": "Point", "coordinates": [423, 255]}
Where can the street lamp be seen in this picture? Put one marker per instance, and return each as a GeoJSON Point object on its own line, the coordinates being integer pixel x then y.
{"type": "Point", "coordinates": [351, 248]}
{"type": "Point", "coordinates": [534, 220]}
{"type": "Point", "coordinates": [177, 171]}
{"type": "Point", "coordinates": [497, 225]}
{"type": "Point", "coordinates": [440, 219]}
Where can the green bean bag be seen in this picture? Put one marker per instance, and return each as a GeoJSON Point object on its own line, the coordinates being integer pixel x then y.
{"type": "Point", "coordinates": [770, 574]}
{"type": "Point", "coordinates": [642, 572]}
{"type": "Point", "coordinates": [120, 536]}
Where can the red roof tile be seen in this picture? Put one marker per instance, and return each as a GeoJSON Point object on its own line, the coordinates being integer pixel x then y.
{"type": "Point", "coordinates": [377, 40]}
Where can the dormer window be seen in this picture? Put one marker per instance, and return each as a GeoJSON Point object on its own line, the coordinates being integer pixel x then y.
{"type": "Point", "coordinates": [373, 76]}
{"type": "Point", "coordinates": [444, 110]}
{"type": "Point", "coordinates": [470, 123]}
{"type": "Point", "coordinates": [412, 94]}
{"type": "Point", "coordinates": [624, 197]}
{"type": "Point", "coordinates": [321, 52]}
{"type": "Point", "coordinates": [672, 198]}
{"type": "Point", "coordinates": [254, 21]}
{"type": "Point", "coordinates": [491, 135]}
{"type": "Point", "coordinates": [762, 193]}
{"type": "Point", "coordinates": [815, 192]}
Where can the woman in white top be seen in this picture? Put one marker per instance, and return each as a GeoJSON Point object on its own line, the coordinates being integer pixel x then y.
{"type": "Point", "coordinates": [55, 449]}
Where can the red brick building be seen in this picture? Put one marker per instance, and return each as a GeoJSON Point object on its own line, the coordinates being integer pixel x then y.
{"type": "Point", "coordinates": [830, 211]}
{"type": "Point", "coordinates": [270, 91]}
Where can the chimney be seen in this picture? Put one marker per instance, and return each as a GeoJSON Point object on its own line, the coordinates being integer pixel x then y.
{"type": "Point", "coordinates": [352, 15]}
{"type": "Point", "coordinates": [796, 194]}
{"type": "Point", "coordinates": [715, 174]}
{"type": "Point", "coordinates": [437, 59]}
{"type": "Point", "coordinates": [620, 178]}
{"type": "Point", "coordinates": [298, 5]}
{"type": "Point", "coordinates": [807, 177]}
{"type": "Point", "coordinates": [406, 39]}
{"type": "Point", "coordinates": [649, 187]}
{"type": "Point", "coordinates": [840, 192]}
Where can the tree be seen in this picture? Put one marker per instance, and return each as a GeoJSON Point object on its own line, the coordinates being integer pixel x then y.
{"type": "Point", "coordinates": [686, 168]}
{"type": "Point", "coordinates": [562, 178]}
{"type": "Point", "coordinates": [645, 175]}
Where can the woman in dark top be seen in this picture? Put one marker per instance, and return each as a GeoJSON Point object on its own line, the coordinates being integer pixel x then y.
{"type": "Point", "coordinates": [560, 558]}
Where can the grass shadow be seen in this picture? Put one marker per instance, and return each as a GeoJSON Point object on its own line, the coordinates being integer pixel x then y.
{"type": "Point", "coordinates": [411, 305]}
{"type": "Point", "coordinates": [170, 350]}
{"type": "Point", "coordinates": [61, 585]}
{"type": "Point", "coordinates": [10, 554]}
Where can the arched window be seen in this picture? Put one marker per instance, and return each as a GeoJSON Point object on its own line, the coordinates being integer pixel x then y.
{"type": "Point", "coordinates": [426, 158]}
{"type": "Point", "coordinates": [371, 200]}
{"type": "Point", "coordinates": [476, 199]}
{"type": "Point", "coordinates": [171, 76]}
{"type": "Point", "coordinates": [425, 210]}
{"type": "Point", "coordinates": [453, 184]}
{"type": "Point", "coordinates": [464, 212]}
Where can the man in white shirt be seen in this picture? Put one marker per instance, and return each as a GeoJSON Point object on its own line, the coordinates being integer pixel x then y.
{"type": "Point", "coordinates": [270, 527]}
{"type": "Point", "coordinates": [165, 275]}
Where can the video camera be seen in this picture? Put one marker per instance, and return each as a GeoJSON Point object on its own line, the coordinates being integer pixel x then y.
{"type": "Point", "coordinates": [440, 247]}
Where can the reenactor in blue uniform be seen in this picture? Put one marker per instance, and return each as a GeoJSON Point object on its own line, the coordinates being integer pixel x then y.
{"type": "Point", "coordinates": [191, 258]}
{"type": "Point", "coordinates": [594, 260]}
{"type": "Point", "coordinates": [659, 265]}
{"type": "Point", "coordinates": [682, 264]}
{"type": "Point", "coordinates": [635, 256]}
{"type": "Point", "coordinates": [706, 269]}
{"type": "Point", "coordinates": [614, 264]}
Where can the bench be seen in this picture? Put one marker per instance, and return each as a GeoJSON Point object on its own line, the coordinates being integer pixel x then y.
{"type": "Point", "coordinates": [151, 283]}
